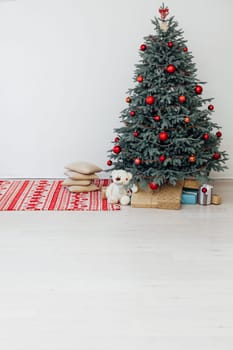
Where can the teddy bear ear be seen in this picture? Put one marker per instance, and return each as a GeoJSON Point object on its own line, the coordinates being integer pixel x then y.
{"type": "Point", "coordinates": [113, 173]}
{"type": "Point", "coordinates": [129, 176]}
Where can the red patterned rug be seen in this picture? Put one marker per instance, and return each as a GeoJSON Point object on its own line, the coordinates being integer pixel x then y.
{"type": "Point", "coordinates": [50, 195]}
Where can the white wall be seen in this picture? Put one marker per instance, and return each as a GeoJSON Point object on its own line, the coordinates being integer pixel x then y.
{"type": "Point", "coordinates": [65, 67]}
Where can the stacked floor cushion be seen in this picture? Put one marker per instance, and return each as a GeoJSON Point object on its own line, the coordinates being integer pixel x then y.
{"type": "Point", "coordinates": [81, 176]}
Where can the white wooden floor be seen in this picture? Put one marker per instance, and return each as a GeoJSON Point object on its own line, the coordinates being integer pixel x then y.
{"type": "Point", "coordinates": [136, 279]}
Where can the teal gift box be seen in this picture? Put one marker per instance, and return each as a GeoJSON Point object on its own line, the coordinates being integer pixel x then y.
{"type": "Point", "coordinates": [189, 197]}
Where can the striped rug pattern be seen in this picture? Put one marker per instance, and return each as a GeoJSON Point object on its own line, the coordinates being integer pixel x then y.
{"type": "Point", "coordinates": [46, 194]}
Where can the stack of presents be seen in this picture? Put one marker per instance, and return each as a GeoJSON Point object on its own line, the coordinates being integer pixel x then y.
{"type": "Point", "coordinates": [189, 191]}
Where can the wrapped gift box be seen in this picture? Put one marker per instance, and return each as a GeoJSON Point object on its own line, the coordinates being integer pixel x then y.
{"type": "Point", "coordinates": [166, 197]}
{"type": "Point", "coordinates": [191, 184]}
{"type": "Point", "coordinates": [216, 199]}
{"type": "Point", "coordinates": [189, 197]}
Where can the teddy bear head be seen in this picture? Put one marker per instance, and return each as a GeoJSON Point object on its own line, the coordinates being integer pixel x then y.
{"type": "Point", "coordinates": [121, 177]}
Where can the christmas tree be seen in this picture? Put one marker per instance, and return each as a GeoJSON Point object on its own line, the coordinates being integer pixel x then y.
{"type": "Point", "coordinates": [167, 134]}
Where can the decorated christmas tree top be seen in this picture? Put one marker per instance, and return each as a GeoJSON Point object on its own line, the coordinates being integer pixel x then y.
{"type": "Point", "coordinates": [167, 134]}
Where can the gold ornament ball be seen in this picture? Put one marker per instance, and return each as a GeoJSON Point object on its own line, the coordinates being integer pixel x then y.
{"type": "Point", "coordinates": [192, 158]}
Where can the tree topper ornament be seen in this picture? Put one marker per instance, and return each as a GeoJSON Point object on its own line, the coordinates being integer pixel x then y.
{"type": "Point", "coordinates": [164, 11]}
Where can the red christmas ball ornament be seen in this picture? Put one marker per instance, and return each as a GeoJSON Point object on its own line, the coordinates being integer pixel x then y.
{"type": "Point", "coordinates": [117, 139]}
{"type": "Point", "coordinates": [137, 161]}
{"type": "Point", "coordinates": [216, 155]}
{"type": "Point", "coordinates": [162, 158]}
{"type": "Point", "coordinates": [211, 107]}
{"type": "Point", "coordinates": [198, 89]}
{"type": "Point", "coordinates": [132, 113]}
{"type": "Point", "coordinates": [140, 78]}
{"type": "Point", "coordinates": [116, 149]}
{"type": "Point", "coordinates": [163, 136]}
{"type": "Point", "coordinates": [171, 69]}
{"type": "Point", "coordinates": [185, 49]}
{"type": "Point", "coordinates": [206, 136]}
{"type": "Point", "coordinates": [135, 133]}
{"type": "Point", "coordinates": [143, 47]}
{"type": "Point", "coordinates": [182, 99]}
{"type": "Point", "coordinates": [204, 189]}
{"type": "Point", "coordinates": [157, 118]}
{"type": "Point", "coordinates": [170, 44]}
{"type": "Point", "coordinates": [128, 99]}
{"type": "Point", "coordinates": [218, 134]}
{"type": "Point", "coordinates": [109, 162]}
{"type": "Point", "coordinates": [187, 120]}
{"type": "Point", "coordinates": [150, 100]}
{"type": "Point", "coordinates": [153, 186]}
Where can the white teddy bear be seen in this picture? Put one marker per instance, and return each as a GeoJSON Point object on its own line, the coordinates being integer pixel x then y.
{"type": "Point", "coordinates": [118, 190]}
